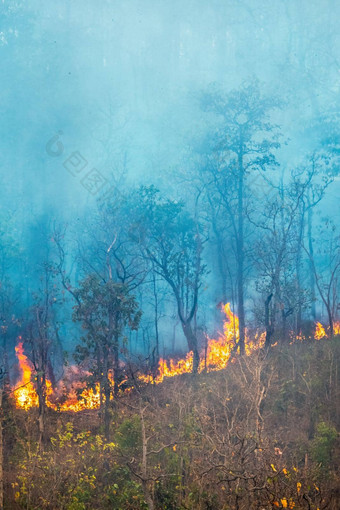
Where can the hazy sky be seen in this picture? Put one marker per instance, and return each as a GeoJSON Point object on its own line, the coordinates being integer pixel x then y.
{"type": "Point", "coordinates": [120, 79]}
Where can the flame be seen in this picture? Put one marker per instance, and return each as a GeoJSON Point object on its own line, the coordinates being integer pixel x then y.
{"type": "Point", "coordinates": [319, 331]}
{"type": "Point", "coordinates": [216, 355]}
{"type": "Point", "coordinates": [89, 398]}
{"type": "Point", "coordinates": [62, 398]}
{"type": "Point", "coordinates": [169, 368]}
{"type": "Point", "coordinates": [24, 392]}
{"type": "Point", "coordinates": [71, 394]}
{"type": "Point", "coordinates": [220, 350]}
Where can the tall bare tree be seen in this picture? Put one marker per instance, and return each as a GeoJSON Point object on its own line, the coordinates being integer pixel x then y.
{"type": "Point", "coordinates": [173, 242]}
{"type": "Point", "coordinates": [242, 146]}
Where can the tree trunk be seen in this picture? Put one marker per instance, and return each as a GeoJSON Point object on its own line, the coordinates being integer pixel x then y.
{"type": "Point", "coordinates": [155, 361]}
{"type": "Point", "coordinates": [107, 394]}
{"type": "Point", "coordinates": [221, 256]}
{"type": "Point", "coordinates": [240, 256]}
{"type": "Point", "coordinates": [148, 496]}
{"type": "Point", "coordinates": [114, 321]}
{"type": "Point", "coordinates": [330, 320]}
{"type": "Point", "coordinates": [311, 258]}
{"type": "Point", "coordinates": [116, 376]}
{"type": "Point", "coordinates": [298, 273]}
{"type": "Point", "coordinates": [268, 322]}
{"type": "Point", "coordinates": [192, 344]}
{"type": "Point", "coordinates": [41, 391]}
{"type": "Point", "coordinates": [146, 489]}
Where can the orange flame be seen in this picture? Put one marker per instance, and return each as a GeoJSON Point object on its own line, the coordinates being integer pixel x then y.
{"type": "Point", "coordinates": [72, 395]}
{"type": "Point", "coordinates": [215, 357]}
{"type": "Point", "coordinates": [319, 331]}
{"type": "Point", "coordinates": [89, 398]}
{"type": "Point", "coordinates": [24, 392]}
{"type": "Point", "coordinates": [26, 396]}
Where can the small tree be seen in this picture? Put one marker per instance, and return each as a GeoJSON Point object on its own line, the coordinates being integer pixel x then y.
{"type": "Point", "coordinates": [105, 309]}
{"type": "Point", "coordinates": [43, 337]}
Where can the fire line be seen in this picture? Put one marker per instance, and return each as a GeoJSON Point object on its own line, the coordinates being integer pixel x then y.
{"type": "Point", "coordinates": [76, 397]}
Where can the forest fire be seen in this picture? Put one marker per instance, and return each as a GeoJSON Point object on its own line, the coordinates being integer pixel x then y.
{"type": "Point", "coordinates": [319, 331]}
{"type": "Point", "coordinates": [216, 355]}
{"type": "Point", "coordinates": [24, 393]}
{"type": "Point", "coordinates": [322, 332]}
{"type": "Point", "coordinates": [63, 397]}
{"type": "Point", "coordinates": [73, 395]}
{"type": "Point", "coordinates": [74, 398]}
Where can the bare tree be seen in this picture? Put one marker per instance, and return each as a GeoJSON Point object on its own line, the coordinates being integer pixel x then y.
{"type": "Point", "coordinates": [242, 146]}
{"type": "Point", "coordinates": [173, 242]}
{"type": "Point", "coordinates": [325, 264]}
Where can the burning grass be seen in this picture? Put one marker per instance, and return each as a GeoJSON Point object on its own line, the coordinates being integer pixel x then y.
{"type": "Point", "coordinates": [71, 394]}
